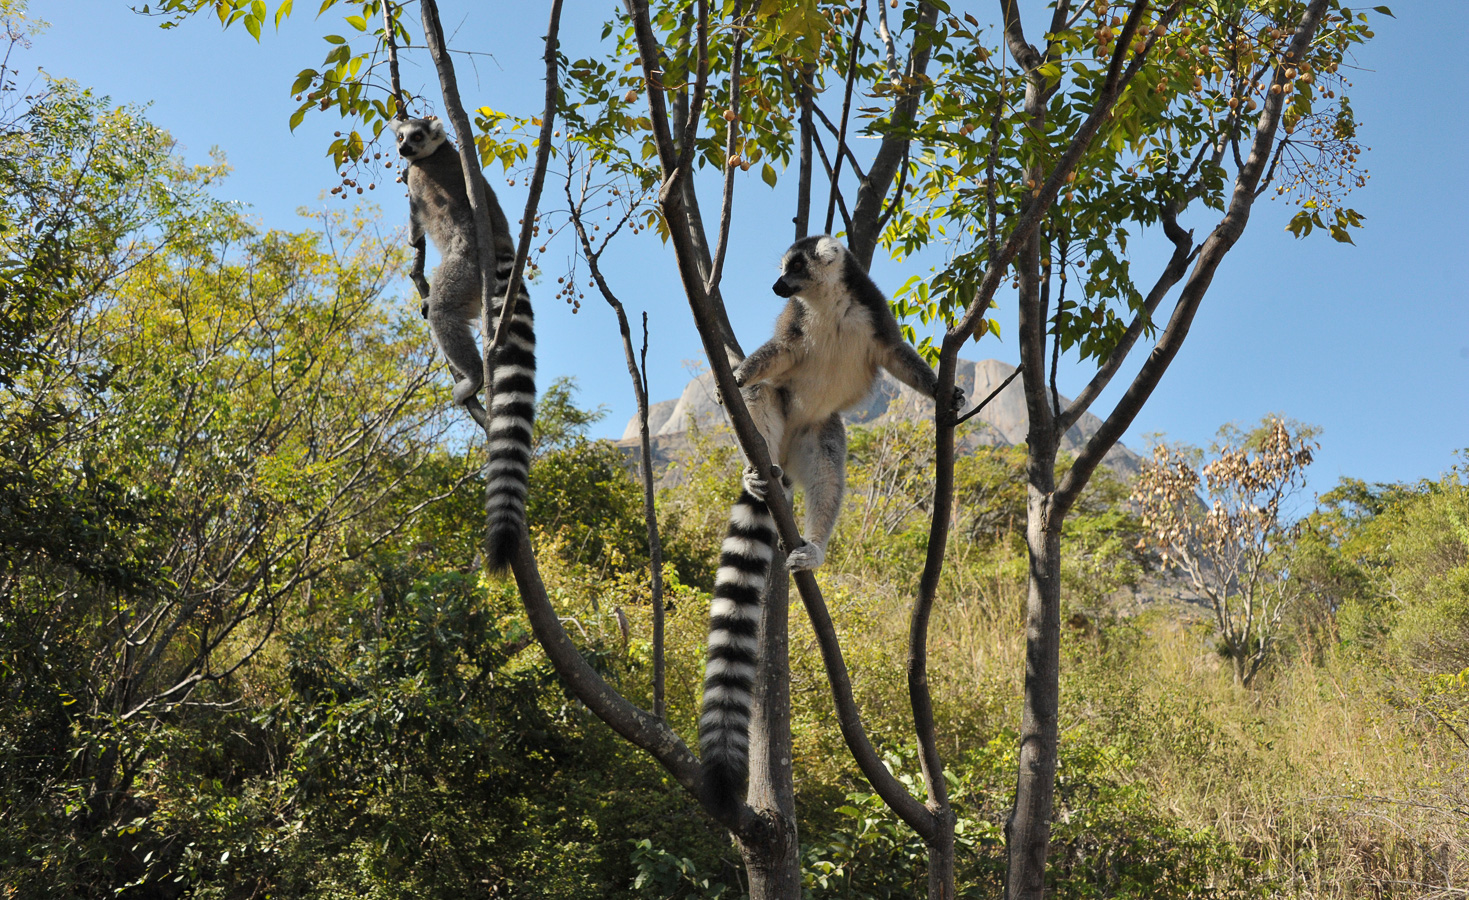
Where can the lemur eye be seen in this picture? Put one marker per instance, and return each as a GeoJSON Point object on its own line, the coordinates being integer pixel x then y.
{"type": "Point", "coordinates": [796, 265]}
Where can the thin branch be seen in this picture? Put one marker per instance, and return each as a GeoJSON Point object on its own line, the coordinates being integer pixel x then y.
{"type": "Point", "coordinates": [399, 109]}
{"type": "Point", "coordinates": [885, 35]}
{"type": "Point", "coordinates": [990, 204]}
{"type": "Point", "coordinates": [640, 392]}
{"type": "Point", "coordinates": [802, 219]}
{"type": "Point", "coordinates": [831, 199]}
{"type": "Point", "coordinates": [701, 83]}
{"type": "Point", "coordinates": [731, 140]}
{"type": "Point", "coordinates": [1116, 81]}
{"type": "Point", "coordinates": [827, 167]}
{"type": "Point", "coordinates": [537, 181]}
{"type": "Point", "coordinates": [992, 395]}
{"type": "Point", "coordinates": [655, 543]}
{"type": "Point", "coordinates": [1056, 351]}
{"type": "Point", "coordinates": [1183, 250]}
{"type": "Point", "coordinates": [844, 150]}
{"type": "Point", "coordinates": [690, 228]}
{"type": "Point", "coordinates": [893, 204]}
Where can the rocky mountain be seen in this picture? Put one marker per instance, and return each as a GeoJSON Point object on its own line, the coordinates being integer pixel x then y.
{"type": "Point", "coordinates": [1002, 423]}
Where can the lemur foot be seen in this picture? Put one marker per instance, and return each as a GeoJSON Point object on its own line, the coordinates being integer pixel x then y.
{"type": "Point", "coordinates": [805, 557]}
{"type": "Point", "coordinates": [958, 402]}
{"type": "Point", "coordinates": [756, 483]}
{"type": "Point", "coordinates": [464, 389]}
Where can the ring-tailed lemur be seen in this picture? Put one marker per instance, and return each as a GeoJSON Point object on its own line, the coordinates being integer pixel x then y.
{"type": "Point", "coordinates": [439, 207]}
{"type": "Point", "coordinates": [829, 341]}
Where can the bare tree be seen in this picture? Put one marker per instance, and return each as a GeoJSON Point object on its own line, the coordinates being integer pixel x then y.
{"type": "Point", "coordinates": [1230, 546]}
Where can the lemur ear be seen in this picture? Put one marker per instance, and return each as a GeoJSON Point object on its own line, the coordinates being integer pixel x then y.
{"type": "Point", "coordinates": [829, 249]}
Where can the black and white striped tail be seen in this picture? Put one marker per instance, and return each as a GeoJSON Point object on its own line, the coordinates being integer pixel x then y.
{"type": "Point", "coordinates": [511, 413]}
{"type": "Point", "coordinates": [729, 676]}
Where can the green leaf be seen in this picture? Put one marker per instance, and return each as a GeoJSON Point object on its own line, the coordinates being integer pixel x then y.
{"type": "Point", "coordinates": [767, 172]}
{"type": "Point", "coordinates": [252, 25]}
{"type": "Point", "coordinates": [303, 81]}
{"type": "Point", "coordinates": [297, 117]}
{"type": "Point", "coordinates": [282, 12]}
{"type": "Point", "coordinates": [357, 22]}
{"type": "Point", "coordinates": [1385, 11]}
{"type": "Point", "coordinates": [334, 39]}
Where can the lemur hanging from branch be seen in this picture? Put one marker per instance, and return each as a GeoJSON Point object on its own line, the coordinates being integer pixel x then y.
{"type": "Point", "coordinates": [439, 209]}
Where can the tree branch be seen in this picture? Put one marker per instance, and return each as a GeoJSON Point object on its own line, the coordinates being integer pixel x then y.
{"type": "Point", "coordinates": [537, 181]}
{"type": "Point", "coordinates": [992, 395]}
{"type": "Point", "coordinates": [1211, 254]}
{"type": "Point", "coordinates": [690, 225]}
{"type": "Point", "coordinates": [851, 80]}
{"type": "Point", "coordinates": [802, 219]}
{"type": "Point", "coordinates": [731, 140]}
{"type": "Point", "coordinates": [636, 725]}
{"type": "Point", "coordinates": [1116, 81]}
{"type": "Point", "coordinates": [640, 393]}
{"type": "Point", "coordinates": [1171, 274]}
{"type": "Point", "coordinates": [753, 445]}
{"type": "Point", "coordinates": [487, 230]}
{"type": "Point", "coordinates": [873, 190]}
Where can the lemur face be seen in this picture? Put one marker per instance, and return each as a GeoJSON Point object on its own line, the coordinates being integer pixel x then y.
{"type": "Point", "coordinates": [809, 262]}
{"type": "Point", "coordinates": [418, 138]}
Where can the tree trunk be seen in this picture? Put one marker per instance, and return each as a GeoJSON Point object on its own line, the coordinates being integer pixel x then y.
{"type": "Point", "coordinates": [941, 864]}
{"type": "Point", "coordinates": [772, 853]}
{"type": "Point", "coordinates": [1028, 832]}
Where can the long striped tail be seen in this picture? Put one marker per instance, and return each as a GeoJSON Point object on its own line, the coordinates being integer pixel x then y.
{"type": "Point", "coordinates": [729, 677]}
{"type": "Point", "coordinates": [511, 413]}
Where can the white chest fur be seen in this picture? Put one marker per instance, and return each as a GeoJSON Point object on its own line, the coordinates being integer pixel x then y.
{"type": "Point", "coordinates": [836, 362]}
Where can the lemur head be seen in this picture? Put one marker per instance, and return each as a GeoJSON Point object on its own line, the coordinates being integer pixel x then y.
{"type": "Point", "coordinates": [418, 138]}
{"type": "Point", "coordinates": [809, 262]}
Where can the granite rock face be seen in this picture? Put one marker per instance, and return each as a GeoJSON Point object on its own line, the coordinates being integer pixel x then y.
{"type": "Point", "coordinates": [1002, 423]}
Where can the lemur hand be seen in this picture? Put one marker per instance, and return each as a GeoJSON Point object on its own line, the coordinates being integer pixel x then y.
{"type": "Point", "coordinates": [958, 401]}
{"type": "Point", "coordinates": [755, 482]}
{"type": "Point", "coordinates": [806, 557]}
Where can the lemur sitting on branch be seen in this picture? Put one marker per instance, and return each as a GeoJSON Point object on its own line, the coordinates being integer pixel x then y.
{"type": "Point", "coordinates": [829, 341]}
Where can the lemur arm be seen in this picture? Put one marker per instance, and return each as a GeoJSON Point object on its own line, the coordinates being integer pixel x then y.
{"type": "Point", "coordinates": [908, 367]}
{"type": "Point", "coordinates": [771, 359]}
{"type": "Point", "coordinates": [420, 252]}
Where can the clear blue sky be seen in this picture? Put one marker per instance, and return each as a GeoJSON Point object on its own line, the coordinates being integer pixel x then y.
{"type": "Point", "coordinates": [1371, 342]}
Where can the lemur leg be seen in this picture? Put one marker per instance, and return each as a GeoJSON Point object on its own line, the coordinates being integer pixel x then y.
{"type": "Point", "coordinates": [818, 462]}
{"type": "Point", "coordinates": [765, 405]}
{"type": "Point", "coordinates": [453, 304]}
